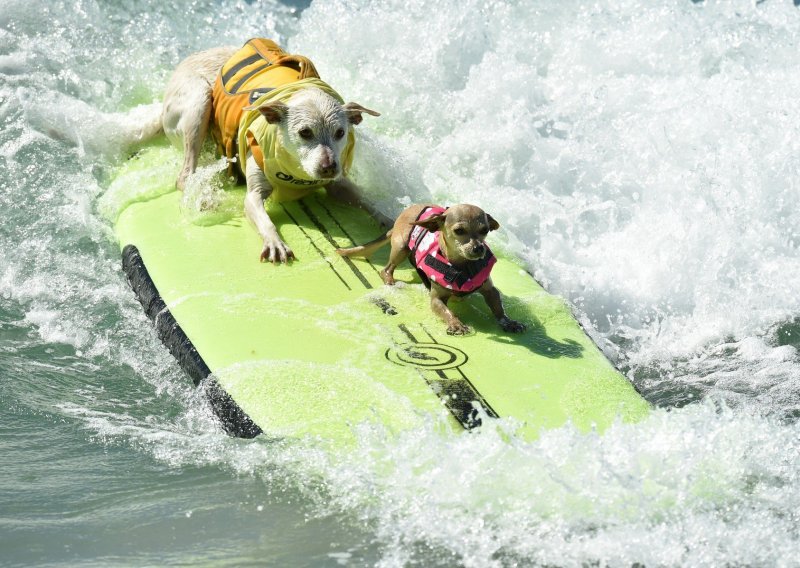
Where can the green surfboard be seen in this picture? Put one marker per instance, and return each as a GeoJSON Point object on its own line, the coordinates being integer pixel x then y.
{"type": "Point", "coordinates": [318, 346]}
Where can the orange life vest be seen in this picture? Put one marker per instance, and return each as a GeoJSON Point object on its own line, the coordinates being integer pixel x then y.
{"type": "Point", "coordinates": [256, 69]}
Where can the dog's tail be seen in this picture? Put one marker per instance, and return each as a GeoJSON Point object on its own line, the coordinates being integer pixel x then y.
{"type": "Point", "coordinates": [366, 249]}
{"type": "Point", "coordinates": [89, 129]}
{"type": "Point", "coordinates": [141, 123]}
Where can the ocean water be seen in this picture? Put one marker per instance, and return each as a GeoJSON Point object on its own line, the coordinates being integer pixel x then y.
{"type": "Point", "coordinates": [642, 157]}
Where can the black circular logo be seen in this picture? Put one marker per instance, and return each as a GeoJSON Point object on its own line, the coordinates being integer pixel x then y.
{"type": "Point", "coordinates": [429, 356]}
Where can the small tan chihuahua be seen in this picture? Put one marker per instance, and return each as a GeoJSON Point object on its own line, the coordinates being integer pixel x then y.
{"type": "Point", "coordinates": [447, 248]}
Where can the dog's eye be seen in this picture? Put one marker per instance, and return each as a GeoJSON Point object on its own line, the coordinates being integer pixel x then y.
{"type": "Point", "coordinates": [306, 133]}
{"type": "Point", "coordinates": [460, 231]}
{"type": "Point", "coordinates": [339, 134]}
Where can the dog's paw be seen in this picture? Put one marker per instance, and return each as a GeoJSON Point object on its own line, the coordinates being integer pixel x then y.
{"type": "Point", "coordinates": [458, 328]}
{"type": "Point", "coordinates": [387, 278]}
{"type": "Point", "coordinates": [276, 251]}
{"type": "Point", "coordinates": [513, 326]}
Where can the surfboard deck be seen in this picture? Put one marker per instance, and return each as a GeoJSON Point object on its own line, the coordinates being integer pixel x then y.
{"type": "Point", "coordinates": [320, 345]}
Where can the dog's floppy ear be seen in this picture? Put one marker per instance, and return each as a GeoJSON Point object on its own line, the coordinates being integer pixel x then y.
{"type": "Point", "coordinates": [493, 225]}
{"type": "Point", "coordinates": [354, 111]}
{"type": "Point", "coordinates": [432, 223]}
{"type": "Point", "coordinates": [273, 111]}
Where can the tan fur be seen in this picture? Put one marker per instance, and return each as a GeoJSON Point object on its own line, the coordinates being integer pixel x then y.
{"type": "Point", "coordinates": [463, 229]}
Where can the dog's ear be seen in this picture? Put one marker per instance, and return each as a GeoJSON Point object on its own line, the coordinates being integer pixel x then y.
{"type": "Point", "coordinates": [354, 111]}
{"type": "Point", "coordinates": [432, 223]}
{"type": "Point", "coordinates": [273, 111]}
{"type": "Point", "coordinates": [493, 225]}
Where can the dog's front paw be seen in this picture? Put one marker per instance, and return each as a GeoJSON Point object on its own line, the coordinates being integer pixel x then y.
{"type": "Point", "coordinates": [275, 250]}
{"type": "Point", "coordinates": [513, 326]}
{"type": "Point", "coordinates": [458, 328]}
{"type": "Point", "coordinates": [387, 277]}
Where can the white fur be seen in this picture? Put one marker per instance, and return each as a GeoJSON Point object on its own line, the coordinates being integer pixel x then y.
{"type": "Point", "coordinates": [321, 155]}
{"type": "Point", "coordinates": [186, 113]}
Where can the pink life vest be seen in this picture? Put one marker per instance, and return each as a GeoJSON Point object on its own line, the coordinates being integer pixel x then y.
{"type": "Point", "coordinates": [433, 266]}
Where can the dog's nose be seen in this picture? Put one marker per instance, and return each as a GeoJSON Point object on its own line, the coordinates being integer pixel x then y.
{"type": "Point", "coordinates": [328, 169]}
{"type": "Point", "coordinates": [479, 249]}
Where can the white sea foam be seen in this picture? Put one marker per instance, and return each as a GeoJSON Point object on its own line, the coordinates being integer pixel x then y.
{"type": "Point", "coordinates": [643, 159]}
{"type": "Point", "coordinates": [645, 155]}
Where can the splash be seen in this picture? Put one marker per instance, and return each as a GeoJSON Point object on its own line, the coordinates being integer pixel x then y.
{"type": "Point", "coordinates": [641, 158]}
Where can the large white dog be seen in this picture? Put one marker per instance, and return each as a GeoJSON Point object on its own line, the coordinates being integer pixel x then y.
{"type": "Point", "coordinates": [283, 130]}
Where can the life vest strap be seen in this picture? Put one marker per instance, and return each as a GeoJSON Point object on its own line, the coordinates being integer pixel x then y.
{"type": "Point", "coordinates": [247, 76]}
{"type": "Point", "coordinates": [457, 275]}
{"type": "Point", "coordinates": [232, 71]}
{"type": "Point", "coordinates": [257, 56]}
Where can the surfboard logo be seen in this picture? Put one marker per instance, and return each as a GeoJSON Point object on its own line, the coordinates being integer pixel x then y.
{"type": "Point", "coordinates": [289, 178]}
{"type": "Point", "coordinates": [442, 367]}
{"type": "Point", "coordinates": [428, 356]}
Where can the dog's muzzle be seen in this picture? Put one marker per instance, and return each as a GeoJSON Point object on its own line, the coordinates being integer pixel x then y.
{"type": "Point", "coordinates": [329, 171]}
{"type": "Point", "coordinates": [476, 252]}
